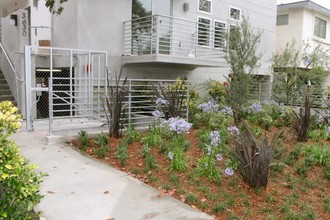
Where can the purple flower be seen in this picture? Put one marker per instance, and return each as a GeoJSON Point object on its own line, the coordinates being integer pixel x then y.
{"type": "Point", "coordinates": [161, 101]}
{"type": "Point", "coordinates": [229, 171]}
{"type": "Point", "coordinates": [210, 106]}
{"type": "Point", "coordinates": [209, 150]}
{"type": "Point", "coordinates": [328, 130]}
{"type": "Point", "coordinates": [177, 125]}
{"type": "Point", "coordinates": [219, 157]}
{"type": "Point", "coordinates": [233, 130]}
{"type": "Point", "coordinates": [158, 114]}
{"type": "Point", "coordinates": [215, 138]}
{"type": "Point", "coordinates": [227, 110]}
{"type": "Point", "coordinates": [256, 107]}
{"type": "Point", "coordinates": [170, 155]}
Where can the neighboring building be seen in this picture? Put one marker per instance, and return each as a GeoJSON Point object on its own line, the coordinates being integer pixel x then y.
{"type": "Point", "coordinates": [305, 22]}
{"type": "Point", "coordinates": [164, 38]}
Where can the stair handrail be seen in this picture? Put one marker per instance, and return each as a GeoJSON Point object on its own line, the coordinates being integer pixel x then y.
{"type": "Point", "coordinates": [10, 63]}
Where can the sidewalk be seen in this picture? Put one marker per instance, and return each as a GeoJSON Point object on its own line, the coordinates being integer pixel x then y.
{"type": "Point", "coordinates": [79, 187]}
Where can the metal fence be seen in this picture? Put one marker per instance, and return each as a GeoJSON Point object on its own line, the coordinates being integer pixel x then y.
{"type": "Point", "coordinates": [44, 63]}
{"type": "Point", "coordinates": [166, 35]}
{"type": "Point", "coordinates": [79, 103]}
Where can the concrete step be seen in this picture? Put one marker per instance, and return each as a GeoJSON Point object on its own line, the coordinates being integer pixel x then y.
{"type": "Point", "coordinates": [7, 98]}
{"type": "Point", "coordinates": [2, 76]}
{"type": "Point", "coordinates": [5, 92]}
{"type": "Point", "coordinates": [4, 87]}
{"type": "Point", "coordinates": [3, 82]}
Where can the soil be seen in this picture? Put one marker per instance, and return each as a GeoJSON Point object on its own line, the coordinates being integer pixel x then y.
{"type": "Point", "coordinates": [287, 196]}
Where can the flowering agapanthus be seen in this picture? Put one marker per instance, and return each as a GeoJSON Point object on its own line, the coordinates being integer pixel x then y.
{"type": "Point", "coordinates": [256, 107]}
{"type": "Point", "coordinates": [157, 114]}
{"type": "Point", "coordinates": [178, 125]}
{"type": "Point", "coordinates": [161, 101]}
{"type": "Point", "coordinates": [229, 171]}
{"type": "Point", "coordinates": [227, 110]}
{"type": "Point", "coordinates": [219, 157]}
{"type": "Point", "coordinates": [215, 138]}
{"type": "Point", "coordinates": [209, 150]}
{"type": "Point", "coordinates": [210, 106]}
{"type": "Point", "coordinates": [233, 130]}
{"type": "Point", "coordinates": [328, 130]}
{"type": "Point", "coordinates": [170, 155]}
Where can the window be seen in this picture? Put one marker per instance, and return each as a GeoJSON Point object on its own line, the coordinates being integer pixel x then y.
{"type": "Point", "coordinates": [204, 27]}
{"type": "Point", "coordinates": [219, 34]}
{"type": "Point", "coordinates": [282, 20]}
{"type": "Point", "coordinates": [235, 14]}
{"type": "Point", "coordinates": [205, 6]}
{"type": "Point", "coordinates": [320, 28]}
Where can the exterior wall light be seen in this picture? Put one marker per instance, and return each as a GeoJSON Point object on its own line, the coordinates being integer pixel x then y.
{"type": "Point", "coordinates": [186, 6]}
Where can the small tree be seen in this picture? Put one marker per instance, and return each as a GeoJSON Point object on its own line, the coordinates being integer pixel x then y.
{"type": "Point", "coordinates": [55, 6]}
{"type": "Point", "coordinates": [243, 59]}
{"type": "Point", "coordinates": [294, 67]}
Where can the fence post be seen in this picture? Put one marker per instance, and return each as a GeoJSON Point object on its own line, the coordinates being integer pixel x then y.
{"type": "Point", "coordinates": [50, 103]}
{"type": "Point", "coordinates": [130, 102]}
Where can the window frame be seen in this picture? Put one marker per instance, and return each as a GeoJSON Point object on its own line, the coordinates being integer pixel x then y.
{"type": "Point", "coordinates": [214, 26]}
{"type": "Point", "coordinates": [209, 45]}
{"type": "Point", "coordinates": [319, 32]}
{"type": "Point", "coordinates": [240, 13]}
{"type": "Point", "coordinates": [211, 7]}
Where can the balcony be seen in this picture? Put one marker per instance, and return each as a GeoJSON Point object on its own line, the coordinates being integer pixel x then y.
{"type": "Point", "coordinates": [164, 40]}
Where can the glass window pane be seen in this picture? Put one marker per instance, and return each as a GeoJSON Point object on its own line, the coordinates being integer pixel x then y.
{"type": "Point", "coordinates": [320, 28]}
{"type": "Point", "coordinates": [219, 34]}
{"type": "Point", "coordinates": [205, 5]}
{"type": "Point", "coordinates": [282, 20]}
{"type": "Point", "coordinates": [204, 31]}
{"type": "Point", "coordinates": [235, 14]}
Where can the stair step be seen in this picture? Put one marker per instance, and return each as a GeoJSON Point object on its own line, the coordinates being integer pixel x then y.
{"type": "Point", "coordinates": [5, 92]}
{"type": "Point", "coordinates": [2, 76]}
{"type": "Point", "coordinates": [7, 98]}
{"type": "Point", "coordinates": [4, 87]}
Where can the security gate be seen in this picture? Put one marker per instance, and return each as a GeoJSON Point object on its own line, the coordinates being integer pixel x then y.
{"type": "Point", "coordinates": [56, 77]}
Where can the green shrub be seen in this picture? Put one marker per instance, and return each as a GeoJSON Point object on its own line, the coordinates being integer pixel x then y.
{"type": "Point", "coordinates": [122, 152]}
{"type": "Point", "coordinates": [19, 183]}
{"type": "Point", "coordinates": [83, 140]}
{"type": "Point", "coordinates": [101, 140]}
{"type": "Point", "coordinates": [132, 135]}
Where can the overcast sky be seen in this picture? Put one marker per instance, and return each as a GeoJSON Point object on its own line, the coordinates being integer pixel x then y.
{"type": "Point", "coordinates": [324, 3]}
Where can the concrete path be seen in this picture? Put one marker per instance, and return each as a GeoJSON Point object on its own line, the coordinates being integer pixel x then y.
{"type": "Point", "coordinates": [79, 187]}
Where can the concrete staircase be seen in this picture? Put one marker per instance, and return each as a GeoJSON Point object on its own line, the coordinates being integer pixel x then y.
{"type": "Point", "coordinates": [5, 93]}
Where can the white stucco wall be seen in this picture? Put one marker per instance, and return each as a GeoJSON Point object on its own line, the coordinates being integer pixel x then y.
{"type": "Point", "coordinates": [98, 25]}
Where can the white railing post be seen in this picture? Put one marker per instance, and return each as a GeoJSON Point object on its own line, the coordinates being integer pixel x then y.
{"type": "Point", "coordinates": [157, 33]}
{"type": "Point", "coordinates": [28, 95]}
{"type": "Point", "coordinates": [130, 102]}
{"type": "Point", "coordinates": [50, 103]}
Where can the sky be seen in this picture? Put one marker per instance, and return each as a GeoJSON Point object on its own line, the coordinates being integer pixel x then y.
{"type": "Point", "coordinates": [324, 3]}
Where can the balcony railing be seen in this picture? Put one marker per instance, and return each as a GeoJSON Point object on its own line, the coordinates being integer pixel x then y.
{"type": "Point", "coordinates": [165, 35]}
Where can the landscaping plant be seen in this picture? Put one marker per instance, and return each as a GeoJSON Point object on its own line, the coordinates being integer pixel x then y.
{"type": "Point", "coordinates": [83, 140]}
{"type": "Point", "coordinates": [114, 103]}
{"type": "Point", "coordinates": [254, 157]}
{"type": "Point", "coordinates": [243, 60]}
{"type": "Point", "coordinates": [19, 181]}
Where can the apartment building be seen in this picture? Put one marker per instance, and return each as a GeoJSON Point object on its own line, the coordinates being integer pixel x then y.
{"type": "Point", "coordinates": [306, 22]}
{"type": "Point", "coordinates": [151, 39]}
{"type": "Point", "coordinates": [164, 38]}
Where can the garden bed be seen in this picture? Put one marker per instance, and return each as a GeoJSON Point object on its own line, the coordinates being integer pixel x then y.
{"type": "Point", "coordinates": [292, 192]}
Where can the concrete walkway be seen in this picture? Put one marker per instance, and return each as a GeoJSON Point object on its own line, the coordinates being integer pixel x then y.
{"type": "Point", "coordinates": [79, 187]}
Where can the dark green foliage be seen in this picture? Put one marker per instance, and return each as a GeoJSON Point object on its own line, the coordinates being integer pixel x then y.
{"type": "Point", "coordinates": [254, 157]}
{"type": "Point", "coordinates": [303, 119]}
{"type": "Point", "coordinates": [114, 103]}
{"type": "Point", "coordinates": [150, 162]}
{"type": "Point", "coordinates": [55, 6]}
{"type": "Point", "coordinates": [83, 140]}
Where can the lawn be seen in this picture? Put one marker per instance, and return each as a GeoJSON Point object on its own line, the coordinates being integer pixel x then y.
{"type": "Point", "coordinates": [198, 163]}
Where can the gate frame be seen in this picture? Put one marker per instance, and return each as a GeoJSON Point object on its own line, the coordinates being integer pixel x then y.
{"type": "Point", "coordinates": [29, 89]}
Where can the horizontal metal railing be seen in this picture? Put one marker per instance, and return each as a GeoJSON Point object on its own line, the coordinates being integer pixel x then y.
{"type": "Point", "coordinates": [166, 35]}
{"type": "Point", "coordinates": [84, 98]}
